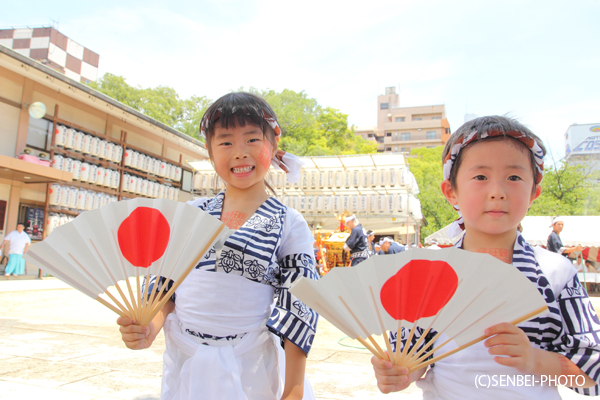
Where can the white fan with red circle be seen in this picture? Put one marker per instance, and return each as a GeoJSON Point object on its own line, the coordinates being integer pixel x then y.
{"type": "Point", "coordinates": [451, 292]}
{"type": "Point", "coordinates": [101, 250]}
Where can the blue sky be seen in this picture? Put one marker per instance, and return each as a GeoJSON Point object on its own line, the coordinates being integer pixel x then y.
{"type": "Point", "coordinates": [539, 61]}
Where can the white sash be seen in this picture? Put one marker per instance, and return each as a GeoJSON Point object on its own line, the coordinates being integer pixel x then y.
{"type": "Point", "coordinates": [192, 370]}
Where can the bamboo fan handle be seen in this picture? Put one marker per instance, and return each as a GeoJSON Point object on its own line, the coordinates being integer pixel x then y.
{"type": "Point", "coordinates": [474, 341]}
{"type": "Point", "coordinates": [165, 298]}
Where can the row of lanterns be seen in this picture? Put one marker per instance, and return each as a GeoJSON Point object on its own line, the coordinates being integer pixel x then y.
{"type": "Point", "coordinates": [88, 173]}
{"type": "Point", "coordinates": [349, 179]}
{"type": "Point", "coordinates": [55, 220]}
{"type": "Point", "coordinates": [151, 165]}
{"type": "Point", "coordinates": [72, 139]}
{"type": "Point", "coordinates": [145, 187]}
{"type": "Point", "coordinates": [369, 204]}
{"type": "Point", "coordinates": [71, 197]}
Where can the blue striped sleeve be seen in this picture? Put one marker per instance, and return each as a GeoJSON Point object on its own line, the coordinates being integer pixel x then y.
{"type": "Point", "coordinates": [291, 319]}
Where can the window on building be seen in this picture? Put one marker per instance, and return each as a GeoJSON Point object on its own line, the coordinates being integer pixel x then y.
{"type": "Point", "coordinates": [400, 119]}
{"type": "Point", "coordinates": [430, 135]}
{"type": "Point", "coordinates": [37, 133]}
{"type": "Point", "coordinates": [405, 149]}
{"type": "Point", "coordinates": [417, 119]}
{"type": "Point", "coordinates": [388, 148]}
{"type": "Point", "coordinates": [388, 134]}
{"type": "Point", "coordinates": [384, 106]}
{"type": "Point", "coordinates": [396, 148]}
{"type": "Point", "coordinates": [379, 140]}
{"type": "Point", "coordinates": [395, 136]}
{"type": "Point", "coordinates": [405, 136]}
{"type": "Point", "coordinates": [447, 131]}
{"type": "Point", "coordinates": [371, 135]}
{"type": "Point", "coordinates": [436, 117]}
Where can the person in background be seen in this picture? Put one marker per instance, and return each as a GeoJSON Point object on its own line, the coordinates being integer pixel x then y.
{"type": "Point", "coordinates": [356, 243]}
{"type": "Point", "coordinates": [19, 244]}
{"type": "Point", "coordinates": [390, 247]}
{"type": "Point", "coordinates": [378, 251]}
{"type": "Point", "coordinates": [370, 239]}
{"type": "Point", "coordinates": [555, 244]}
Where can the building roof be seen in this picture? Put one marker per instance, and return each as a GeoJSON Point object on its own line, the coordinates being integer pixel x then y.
{"type": "Point", "coordinates": [49, 76]}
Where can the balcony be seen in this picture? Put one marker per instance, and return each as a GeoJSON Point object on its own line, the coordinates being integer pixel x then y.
{"type": "Point", "coordinates": [414, 137]}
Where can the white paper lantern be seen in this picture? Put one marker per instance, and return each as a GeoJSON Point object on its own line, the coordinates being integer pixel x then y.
{"type": "Point", "coordinates": [103, 146]}
{"type": "Point", "coordinates": [67, 164]}
{"type": "Point", "coordinates": [364, 179]}
{"type": "Point", "coordinates": [310, 204]}
{"type": "Point", "coordinates": [93, 173]}
{"type": "Point", "coordinates": [354, 206]}
{"type": "Point", "coordinates": [100, 176]}
{"type": "Point", "coordinates": [373, 204]}
{"type": "Point", "coordinates": [90, 200]}
{"type": "Point", "coordinates": [54, 199]}
{"type": "Point", "coordinates": [337, 204]}
{"type": "Point", "coordinates": [319, 203]}
{"type": "Point", "coordinates": [57, 161]}
{"type": "Point", "coordinates": [322, 179]}
{"type": "Point", "coordinates": [78, 141]}
{"type": "Point", "coordinates": [381, 203]}
{"type": "Point", "coordinates": [330, 178]}
{"type": "Point", "coordinates": [81, 197]}
{"type": "Point", "coordinates": [382, 175]}
{"type": "Point", "coordinates": [338, 178]}
{"type": "Point", "coordinates": [95, 146]}
{"type": "Point", "coordinates": [392, 177]}
{"type": "Point", "coordinates": [305, 178]}
{"type": "Point", "coordinates": [356, 178]}
{"type": "Point", "coordinates": [70, 140]}
{"type": "Point", "coordinates": [76, 168]}
{"type": "Point", "coordinates": [364, 203]}
{"type": "Point", "coordinates": [73, 194]}
{"type": "Point", "coordinates": [86, 147]}
{"type": "Point", "coordinates": [328, 204]}
{"type": "Point", "coordinates": [346, 204]}
{"type": "Point", "coordinates": [302, 204]}
{"type": "Point", "coordinates": [60, 135]}
{"type": "Point", "coordinates": [348, 179]}
{"type": "Point", "coordinates": [373, 177]}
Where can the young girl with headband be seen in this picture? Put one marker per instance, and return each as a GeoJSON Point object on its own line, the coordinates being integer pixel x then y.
{"type": "Point", "coordinates": [222, 323]}
{"type": "Point", "coordinates": [492, 173]}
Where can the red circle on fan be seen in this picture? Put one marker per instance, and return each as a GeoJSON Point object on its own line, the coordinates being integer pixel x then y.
{"type": "Point", "coordinates": [144, 236]}
{"type": "Point", "coordinates": [419, 290]}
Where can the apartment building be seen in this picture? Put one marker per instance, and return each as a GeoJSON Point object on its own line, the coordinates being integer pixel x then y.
{"type": "Point", "coordinates": [401, 129]}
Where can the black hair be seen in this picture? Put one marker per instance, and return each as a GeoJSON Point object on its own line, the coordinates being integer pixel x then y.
{"type": "Point", "coordinates": [486, 125]}
{"type": "Point", "coordinates": [239, 109]}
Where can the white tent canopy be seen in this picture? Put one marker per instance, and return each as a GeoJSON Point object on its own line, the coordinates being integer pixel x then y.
{"type": "Point", "coordinates": [584, 230]}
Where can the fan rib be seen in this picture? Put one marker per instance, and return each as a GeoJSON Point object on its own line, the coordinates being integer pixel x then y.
{"type": "Point", "coordinates": [390, 353]}
{"type": "Point", "coordinates": [416, 356]}
{"type": "Point", "coordinates": [459, 333]}
{"type": "Point", "coordinates": [167, 278]}
{"type": "Point", "coordinates": [111, 307]}
{"type": "Point", "coordinates": [424, 299]}
{"type": "Point", "coordinates": [479, 339]}
{"type": "Point", "coordinates": [139, 294]}
{"type": "Point", "coordinates": [129, 307]}
{"type": "Point", "coordinates": [426, 332]}
{"type": "Point", "coordinates": [367, 335]}
{"type": "Point", "coordinates": [128, 312]}
{"type": "Point", "coordinates": [161, 303]}
{"type": "Point", "coordinates": [133, 300]}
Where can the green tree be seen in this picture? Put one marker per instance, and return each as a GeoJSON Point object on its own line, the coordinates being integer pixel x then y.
{"type": "Point", "coordinates": [161, 103]}
{"type": "Point", "coordinates": [426, 165]}
{"type": "Point", "coordinates": [568, 189]}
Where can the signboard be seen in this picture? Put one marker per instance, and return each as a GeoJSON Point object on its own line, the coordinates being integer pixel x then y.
{"type": "Point", "coordinates": [582, 139]}
{"type": "Point", "coordinates": [590, 145]}
{"type": "Point", "coordinates": [34, 225]}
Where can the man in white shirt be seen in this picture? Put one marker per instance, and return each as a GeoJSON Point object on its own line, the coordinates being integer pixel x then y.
{"type": "Point", "coordinates": [19, 244]}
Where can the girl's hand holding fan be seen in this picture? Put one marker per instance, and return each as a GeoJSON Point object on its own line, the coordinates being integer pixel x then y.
{"type": "Point", "coordinates": [453, 294]}
{"type": "Point", "coordinates": [104, 253]}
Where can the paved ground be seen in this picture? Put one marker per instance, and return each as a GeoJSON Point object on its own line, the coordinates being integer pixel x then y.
{"type": "Point", "coordinates": [56, 343]}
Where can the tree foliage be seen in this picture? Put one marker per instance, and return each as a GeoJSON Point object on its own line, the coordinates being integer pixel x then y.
{"type": "Point", "coordinates": [568, 189]}
{"type": "Point", "coordinates": [426, 165]}
{"type": "Point", "coordinates": [308, 128]}
{"type": "Point", "coordinates": [161, 103]}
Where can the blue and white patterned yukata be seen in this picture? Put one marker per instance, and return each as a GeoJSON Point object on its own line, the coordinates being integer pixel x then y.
{"type": "Point", "coordinates": [263, 258]}
{"type": "Point", "coordinates": [570, 328]}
